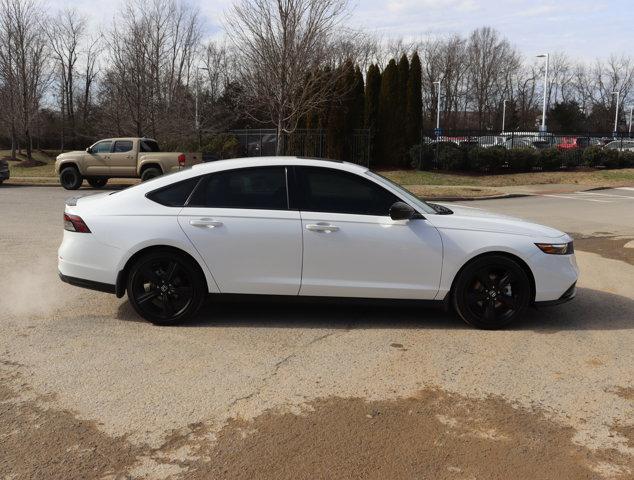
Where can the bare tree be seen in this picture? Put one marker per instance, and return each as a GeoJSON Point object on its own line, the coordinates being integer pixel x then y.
{"type": "Point", "coordinates": [285, 60]}
{"type": "Point", "coordinates": [152, 54]}
{"type": "Point", "coordinates": [23, 61]}
{"type": "Point", "coordinates": [65, 34]}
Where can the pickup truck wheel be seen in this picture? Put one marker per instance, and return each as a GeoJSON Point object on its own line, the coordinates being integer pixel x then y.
{"type": "Point", "coordinates": [150, 173]}
{"type": "Point", "coordinates": [70, 178]}
{"type": "Point", "coordinates": [97, 182]}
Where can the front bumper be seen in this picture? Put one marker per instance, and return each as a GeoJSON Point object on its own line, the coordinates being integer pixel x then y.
{"type": "Point", "coordinates": [566, 297]}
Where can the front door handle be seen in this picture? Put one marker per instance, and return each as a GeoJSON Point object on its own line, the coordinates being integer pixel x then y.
{"type": "Point", "coordinates": [205, 222]}
{"type": "Point", "coordinates": [322, 227]}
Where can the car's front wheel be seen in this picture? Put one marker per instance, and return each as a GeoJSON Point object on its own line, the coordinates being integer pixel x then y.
{"type": "Point", "coordinates": [165, 287]}
{"type": "Point", "coordinates": [491, 292]}
{"type": "Point", "coordinates": [70, 178]}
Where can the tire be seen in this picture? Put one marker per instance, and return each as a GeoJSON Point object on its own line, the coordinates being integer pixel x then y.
{"type": "Point", "coordinates": [491, 292]}
{"type": "Point", "coordinates": [70, 178]}
{"type": "Point", "coordinates": [165, 287]}
{"type": "Point", "coordinates": [150, 173]}
{"type": "Point", "coordinates": [97, 182]}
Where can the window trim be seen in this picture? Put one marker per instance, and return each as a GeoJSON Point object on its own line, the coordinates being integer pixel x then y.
{"type": "Point", "coordinates": [203, 177]}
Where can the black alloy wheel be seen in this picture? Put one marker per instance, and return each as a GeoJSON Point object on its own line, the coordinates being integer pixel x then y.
{"type": "Point", "coordinates": [165, 288]}
{"type": "Point", "coordinates": [492, 292]}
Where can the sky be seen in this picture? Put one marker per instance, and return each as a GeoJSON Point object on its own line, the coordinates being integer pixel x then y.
{"type": "Point", "coordinates": [583, 29]}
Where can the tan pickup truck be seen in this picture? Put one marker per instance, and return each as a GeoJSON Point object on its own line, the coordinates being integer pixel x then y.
{"type": "Point", "coordinates": [119, 158]}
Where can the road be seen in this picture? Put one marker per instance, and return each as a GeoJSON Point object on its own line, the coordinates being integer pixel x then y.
{"type": "Point", "coordinates": [270, 390]}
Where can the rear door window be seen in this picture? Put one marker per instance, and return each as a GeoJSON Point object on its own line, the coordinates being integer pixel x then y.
{"type": "Point", "coordinates": [262, 188]}
{"type": "Point", "coordinates": [122, 146]}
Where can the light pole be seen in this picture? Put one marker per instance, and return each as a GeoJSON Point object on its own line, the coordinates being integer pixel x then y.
{"type": "Point", "coordinates": [616, 113]}
{"type": "Point", "coordinates": [504, 114]}
{"type": "Point", "coordinates": [629, 130]}
{"type": "Point", "coordinates": [438, 109]}
{"type": "Point", "coordinates": [542, 129]}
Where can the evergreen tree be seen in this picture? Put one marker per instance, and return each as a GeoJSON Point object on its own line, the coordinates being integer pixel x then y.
{"type": "Point", "coordinates": [341, 115]}
{"type": "Point", "coordinates": [359, 99]}
{"type": "Point", "coordinates": [414, 101]}
{"type": "Point", "coordinates": [371, 110]}
{"type": "Point", "coordinates": [401, 110]}
{"type": "Point", "coordinates": [372, 94]}
{"type": "Point", "coordinates": [388, 121]}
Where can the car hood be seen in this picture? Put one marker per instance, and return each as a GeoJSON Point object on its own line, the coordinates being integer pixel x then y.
{"type": "Point", "coordinates": [468, 218]}
{"type": "Point", "coordinates": [71, 153]}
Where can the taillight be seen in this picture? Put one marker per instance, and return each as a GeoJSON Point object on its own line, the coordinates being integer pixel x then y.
{"type": "Point", "coordinates": [74, 223]}
{"type": "Point", "coordinates": [181, 159]}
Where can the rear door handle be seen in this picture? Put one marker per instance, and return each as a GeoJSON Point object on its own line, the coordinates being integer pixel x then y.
{"type": "Point", "coordinates": [322, 227]}
{"type": "Point", "coordinates": [205, 222]}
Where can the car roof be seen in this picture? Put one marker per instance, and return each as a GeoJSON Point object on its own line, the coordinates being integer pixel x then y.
{"type": "Point", "coordinates": [273, 161]}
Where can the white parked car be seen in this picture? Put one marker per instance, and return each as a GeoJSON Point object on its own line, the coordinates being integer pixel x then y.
{"type": "Point", "coordinates": [294, 226]}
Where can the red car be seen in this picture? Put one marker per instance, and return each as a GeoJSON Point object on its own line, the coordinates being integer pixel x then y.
{"type": "Point", "coordinates": [568, 143]}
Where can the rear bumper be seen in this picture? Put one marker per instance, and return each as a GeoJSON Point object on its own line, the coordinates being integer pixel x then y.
{"type": "Point", "coordinates": [89, 284]}
{"type": "Point", "coordinates": [566, 297]}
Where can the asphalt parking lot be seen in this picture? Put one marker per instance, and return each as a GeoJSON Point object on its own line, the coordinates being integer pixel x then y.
{"type": "Point", "coordinates": [269, 390]}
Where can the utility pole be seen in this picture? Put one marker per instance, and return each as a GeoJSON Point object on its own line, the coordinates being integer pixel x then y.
{"type": "Point", "coordinates": [616, 114]}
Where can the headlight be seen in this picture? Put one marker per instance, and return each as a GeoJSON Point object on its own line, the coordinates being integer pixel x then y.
{"type": "Point", "coordinates": [556, 248]}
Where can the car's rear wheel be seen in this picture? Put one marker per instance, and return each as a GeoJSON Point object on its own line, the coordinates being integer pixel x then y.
{"type": "Point", "coordinates": [492, 292]}
{"type": "Point", "coordinates": [70, 178]}
{"type": "Point", "coordinates": [150, 172]}
{"type": "Point", "coordinates": [165, 287]}
{"type": "Point", "coordinates": [97, 182]}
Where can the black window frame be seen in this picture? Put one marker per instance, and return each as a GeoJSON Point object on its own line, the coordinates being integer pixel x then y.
{"type": "Point", "coordinates": [287, 182]}
{"type": "Point", "coordinates": [299, 199]}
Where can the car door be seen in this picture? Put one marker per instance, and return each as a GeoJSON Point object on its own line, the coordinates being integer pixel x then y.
{"type": "Point", "coordinates": [97, 158]}
{"type": "Point", "coordinates": [352, 247]}
{"type": "Point", "coordinates": [122, 160]}
{"type": "Point", "coordinates": [240, 223]}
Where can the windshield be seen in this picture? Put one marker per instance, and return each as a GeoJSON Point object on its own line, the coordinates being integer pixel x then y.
{"type": "Point", "coordinates": [409, 196]}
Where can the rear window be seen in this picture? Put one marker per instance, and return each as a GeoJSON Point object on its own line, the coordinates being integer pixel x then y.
{"type": "Point", "coordinates": [149, 146]}
{"type": "Point", "coordinates": [174, 195]}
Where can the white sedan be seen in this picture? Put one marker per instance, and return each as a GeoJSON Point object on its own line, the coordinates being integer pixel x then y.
{"type": "Point", "coordinates": [304, 227]}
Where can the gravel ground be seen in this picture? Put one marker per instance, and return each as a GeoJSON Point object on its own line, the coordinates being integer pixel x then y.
{"type": "Point", "coordinates": [269, 390]}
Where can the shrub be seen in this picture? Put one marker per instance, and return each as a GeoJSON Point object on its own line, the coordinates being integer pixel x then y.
{"type": "Point", "coordinates": [610, 158]}
{"type": "Point", "coordinates": [550, 159]}
{"type": "Point", "coordinates": [487, 159]}
{"type": "Point", "coordinates": [451, 156]}
{"type": "Point", "coordinates": [592, 156]}
{"type": "Point", "coordinates": [626, 159]}
{"type": "Point", "coordinates": [222, 145]}
{"type": "Point", "coordinates": [422, 156]}
{"type": "Point", "coordinates": [522, 159]}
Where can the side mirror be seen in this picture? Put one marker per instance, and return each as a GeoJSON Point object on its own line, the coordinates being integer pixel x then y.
{"type": "Point", "coordinates": [402, 211]}
{"type": "Point", "coordinates": [88, 150]}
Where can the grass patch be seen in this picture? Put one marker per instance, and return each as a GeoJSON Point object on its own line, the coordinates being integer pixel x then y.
{"type": "Point", "coordinates": [607, 178]}
{"type": "Point", "coordinates": [42, 166]}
